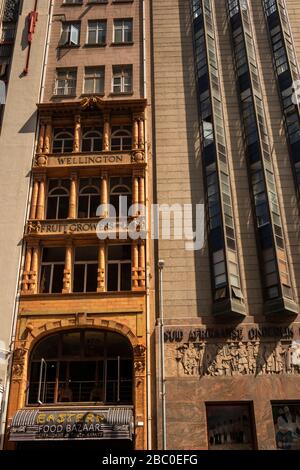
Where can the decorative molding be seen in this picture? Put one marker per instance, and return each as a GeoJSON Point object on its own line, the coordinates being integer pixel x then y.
{"type": "Point", "coordinates": [239, 358]}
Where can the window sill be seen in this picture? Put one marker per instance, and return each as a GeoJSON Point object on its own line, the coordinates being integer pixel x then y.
{"type": "Point", "coordinates": [92, 94]}
{"type": "Point", "coordinates": [122, 44]}
{"type": "Point", "coordinates": [55, 97]}
{"type": "Point", "coordinates": [79, 4]}
{"type": "Point", "coordinates": [104, 44]}
{"type": "Point", "coordinates": [127, 93]}
{"type": "Point", "coordinates": [68, 46]}
{"type": "Point", "coordinates": [72, 295]}
{"type": "Point", "coordinates": [91, 2]}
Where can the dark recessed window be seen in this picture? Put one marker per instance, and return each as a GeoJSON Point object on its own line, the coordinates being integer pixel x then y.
{"type": "Point", "coordinates": [230, 427]}
{"type": "Point", "coordinates": [52, 270]}
{"type": "Point", "coordinates": [119, 268]}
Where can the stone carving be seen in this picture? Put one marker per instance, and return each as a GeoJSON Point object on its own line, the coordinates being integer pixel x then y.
{"type": "Point", "coordinates": [41, 160]}
{"type": "Point", "coordinates": [139, 358]}
{"type": "Point", "coordinates": [90, 102]}
{"type": "Point", "coordinates": [18, 362]}
{"type": "Point", "coordinates": [138, 157]}
{"type": "Point", "coordinates": [34, 227]}
{"type": "Point", "coordinates": [239, 358]}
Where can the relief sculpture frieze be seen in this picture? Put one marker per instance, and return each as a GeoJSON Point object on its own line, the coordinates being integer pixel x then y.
{"type": "Point", "coordinates": [238, 358]}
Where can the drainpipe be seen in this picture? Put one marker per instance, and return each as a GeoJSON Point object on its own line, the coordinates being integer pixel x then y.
{"type": "Point", "coordinates": [161, 265]}
{"type": "Point", "coordinates": [148, 245]}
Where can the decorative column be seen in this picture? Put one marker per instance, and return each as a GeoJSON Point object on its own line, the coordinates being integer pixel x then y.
{"type": "Point", "coordinates": [139, 358]}
{"type": "Point", "coordinates": [101, 268]}
{"type": "Point", "coordinates": [135, 190]}
{"type": "Point", "coordinates": [142, 191]}
{"type": "Point", "coordinates": [40, 208]}
{"type": "Point", "coordinates": [142, 264]}
{"type": "Point", "coordinates": [34, 198]}
{"type": "Point", "coordinates": [77, 134]}
{"type": "Point", "coordinates": [106, 132]}
{"type": "Point", "coordinates": [141, 134]}
{"type": "Point", "coordinates": [40, 146]}
{"type": "Point", "coordinates": [48, 135]}
{"type": "Point", "coordinates": [26, 272]}
{"type": "Point", "coordinates": [104, 193]}
{"type": "Point", "coordinates": [68, 268]}
{"type": "Point", "coordinates": [73, 196]}
{"type": "Point", "coordinates": [33, 287]}
{"type": "Point", "coordinates": [135, 133]}
{"type": "Point", "coordinates": [135, 265]}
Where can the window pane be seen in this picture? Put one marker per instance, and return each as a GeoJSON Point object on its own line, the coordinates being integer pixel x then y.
{"type": "Point", "coordinates": [286, 417]}
{"type": "Point", "coordinates": [51, 208]}
{"type": "Point", "coordinates": [126, 276]}
{"type": "Point", "coordinates": [45, 279]}
{"type": "Point", "coordinates": [78, 283]}
{"type": "Point", "coordinates": [53, 254]}
{"type": "Point", "coordinates": [94, 343]}
{"type": "Point", "coordinates": [86, 253]}
{"type": "Point", "coordinates": [47, 348]}
{"type": "Point", "coordinates": [63, 209]}
{"type": "Point", "coordinates": [91, 282]}
{"type": "Point", "coordinates": [94, 203]}
{"type": "Point", "coordinates": [58, 276]}
{"type": "Point", "coordinates": [119, 252]}
{"type": "Point", "coordinates": [112, 277]}
{"type": "Point", "coordinates": [229, 427]}
{"type": "Point", "coordinates": [83, 207]}
{"type": "Point", "coordinates": [71, 344]}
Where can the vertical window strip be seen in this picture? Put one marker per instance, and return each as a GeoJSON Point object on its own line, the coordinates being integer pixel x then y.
{"type": "Point", "coordinates": [221, 227]}
{"type": "Point", "coordinates": [287, 72]}
{"type": "Point", "coordinates": [262, 182]}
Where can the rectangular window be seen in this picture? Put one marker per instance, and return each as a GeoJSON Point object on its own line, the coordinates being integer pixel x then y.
{"type": "Point", "coordinates": [229, 427]}
{"type": "Point", "coordinates": [286, 417]}
{"type": "Point", "coordinates": [52, 270]}
{"type": "Point", "coordinates": [122, 79]}
{"type": "Point", "coordinates": [70, 34]}
{"type": "Point", "coordinates": [122, 31]}
{"type": "Point", "coordinates": [85, 269]}
{"type": "Point", "coordinates": [94, 80]}
{"type": "Point", "coordinates": [119, 268]}
{"type": "Point", "coordinates": [96, 32]}
{"type": "Point", "coordinates": [65, 82]}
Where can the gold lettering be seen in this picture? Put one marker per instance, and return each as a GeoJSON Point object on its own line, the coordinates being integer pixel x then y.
{"type": "Point", "coordinates": [41, 419]}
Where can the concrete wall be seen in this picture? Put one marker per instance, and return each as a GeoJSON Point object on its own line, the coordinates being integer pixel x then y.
{"type": "Point", "coordinates": [16, 151]}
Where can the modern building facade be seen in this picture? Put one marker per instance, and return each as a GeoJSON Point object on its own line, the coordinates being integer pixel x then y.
{"type": "Point", "coordinates": [227, 135]}
{"type": "Point", "coordinates": [117, 104]}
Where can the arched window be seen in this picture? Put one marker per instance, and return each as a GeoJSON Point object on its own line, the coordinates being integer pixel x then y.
{"type": "Point", "coordinates": [91, 141]}
{"type": "Point", "coordinates": [62, 140]}
{"type": "Point", "coordinates": [89, 197]}
{"type": "Point", "coordinates": [120, 190]}
{"type": "Point", "coordinates": [121, 138]}
{"type": "Point", "coordinates": [58, 199]}
{"type": "Point", "coordinates": [81, 366]}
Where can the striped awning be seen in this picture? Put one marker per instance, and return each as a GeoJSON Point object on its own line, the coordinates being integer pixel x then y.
{"type": "Point", "coordinates": [72, 424]}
